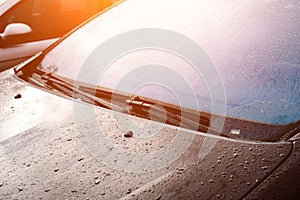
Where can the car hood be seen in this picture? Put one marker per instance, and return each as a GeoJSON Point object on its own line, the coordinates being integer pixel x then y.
{"type": "Point", "coordinates": [54, 154]}
{"type": "Point", "coordinates": [24, 107]}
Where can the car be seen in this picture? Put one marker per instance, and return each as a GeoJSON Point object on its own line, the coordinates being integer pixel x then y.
{"type": "Point", "coordinates": [30, 26]}
{"type": "Point", "coordinates": [173, 100]}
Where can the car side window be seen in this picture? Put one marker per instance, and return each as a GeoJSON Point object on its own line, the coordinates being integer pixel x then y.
{"type": "Point", "coordinates": [32, 13]}
{"type": "Point", "coordinates": [71, 5]}
{"type": "Point", "coordinates": [49, 18]}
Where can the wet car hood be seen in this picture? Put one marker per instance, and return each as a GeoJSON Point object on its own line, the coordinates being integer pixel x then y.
{"type": "Point", "coordinates": [24, 107]}
{"type": "Point", "coordinates": [55, 155]}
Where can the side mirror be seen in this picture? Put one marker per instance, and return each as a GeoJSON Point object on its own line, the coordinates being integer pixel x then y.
{"type": "Point", "coordinates": [15, 29]}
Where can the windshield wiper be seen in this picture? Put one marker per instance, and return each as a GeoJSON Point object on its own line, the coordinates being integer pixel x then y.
{"type": "Point", "coordinates": [157, 111]}
{"type": "Point", "coordinates": [167, 114]}
{"type": "Point", "coordinates": [68, 89]}
{"type": "Point", "coordinates": [173, 115]}
{"type": "Point", "coordinates": [135, 106]}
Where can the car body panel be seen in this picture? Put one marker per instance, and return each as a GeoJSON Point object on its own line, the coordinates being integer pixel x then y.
{"type": "Point", "coordinates": [16, 54]}
{"type": "Point", "coordinates": [31, 108]}
{"type": "Point", "coordinates": [284, 181]}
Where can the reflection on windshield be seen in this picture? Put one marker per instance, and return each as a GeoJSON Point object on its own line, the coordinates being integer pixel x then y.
{"type": "Point", "coordinates": [2, 2]}
{"type": "Point", "coordinates": [255, 47]}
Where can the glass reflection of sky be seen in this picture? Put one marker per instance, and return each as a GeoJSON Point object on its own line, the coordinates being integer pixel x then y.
{"type": "Point", "coordinates": [2, 1]}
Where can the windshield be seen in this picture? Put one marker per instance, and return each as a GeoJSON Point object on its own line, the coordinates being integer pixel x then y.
{"type": "Point", "coordinates": [254, 47]}
{"type": "Point", "coordinates": [2, 1]}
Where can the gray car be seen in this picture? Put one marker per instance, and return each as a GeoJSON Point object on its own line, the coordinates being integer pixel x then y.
{"type": "Point", "coordinates": [173, 100]}
{"type": "Point", "coordinates": [29, 26]}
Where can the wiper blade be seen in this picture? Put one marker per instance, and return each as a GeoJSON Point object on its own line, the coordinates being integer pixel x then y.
{"type": "Point", "coordinates": [135, 106]}
{"type": "Point", "coordinates": [53, 81]}
{"type": "Point", "coordinates": [156, 111]}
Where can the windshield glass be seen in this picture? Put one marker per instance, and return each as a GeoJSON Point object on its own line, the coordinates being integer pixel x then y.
{"type": "Point", "coordinates": [254, 46]}
{"type": "Point", "coordinates": [2, 1]}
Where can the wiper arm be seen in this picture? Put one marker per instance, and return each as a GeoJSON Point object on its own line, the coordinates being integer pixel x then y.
{"type": "Point", "coordinates": [55, 82]}
{"type": "Point", "coordinates": [167, 114]}
{"type": "Point", "coordinates": [180, 117]}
